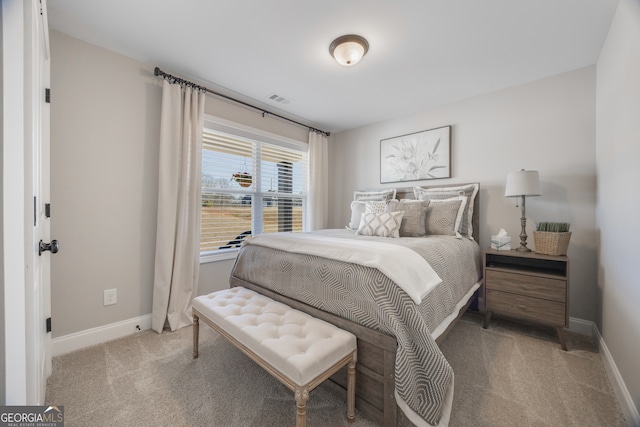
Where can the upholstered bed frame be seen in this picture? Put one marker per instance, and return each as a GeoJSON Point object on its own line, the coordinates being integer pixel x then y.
{"type": "Point", "coordinates": [375, 382]}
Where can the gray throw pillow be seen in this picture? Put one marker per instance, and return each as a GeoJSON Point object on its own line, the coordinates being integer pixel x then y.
{"type": "Point", "coordinates": [444, 216]}
{"type": "Point", "coordinates": [468, 190]}
{"type": "Point", "coordinates": [414, 218]}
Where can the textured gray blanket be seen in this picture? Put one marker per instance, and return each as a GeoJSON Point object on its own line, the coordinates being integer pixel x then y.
{"type": "Point", "coordinates": [368, 297]}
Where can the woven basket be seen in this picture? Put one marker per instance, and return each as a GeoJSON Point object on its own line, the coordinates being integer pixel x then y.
{"type": "Point", "coordinates": [548, 243]}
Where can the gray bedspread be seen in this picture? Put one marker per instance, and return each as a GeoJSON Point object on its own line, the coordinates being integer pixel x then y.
{"type": "Point", "coordinates": [368, 297]}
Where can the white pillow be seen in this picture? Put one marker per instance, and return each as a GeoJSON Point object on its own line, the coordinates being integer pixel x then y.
{"type": "Point", "coordinates": [357, 209]}
{"type": "Point", "coordinates": [382, 225]}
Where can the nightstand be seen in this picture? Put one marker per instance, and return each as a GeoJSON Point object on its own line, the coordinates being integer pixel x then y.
{"type": "Point", "coordinates": [527, 286]}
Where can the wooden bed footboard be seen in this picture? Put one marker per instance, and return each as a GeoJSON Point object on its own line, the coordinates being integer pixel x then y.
{"type": "Point", "coordinates": [375, 383]}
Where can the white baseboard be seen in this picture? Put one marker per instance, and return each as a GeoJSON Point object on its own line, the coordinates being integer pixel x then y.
{"type": "Point", "coordinates": [99, 335]}
{"type": "Point", "coordinates": [582, 327]}
{"type": "Point", "coordinates": [629, 410]}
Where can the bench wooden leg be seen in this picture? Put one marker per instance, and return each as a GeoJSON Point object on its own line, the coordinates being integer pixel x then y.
{"type": "Point", "coordinates": [351, 390]}
{"type": "Point", "coordinates": [302, 396]}
{"type": "Point", "coordinates": [196, 335]}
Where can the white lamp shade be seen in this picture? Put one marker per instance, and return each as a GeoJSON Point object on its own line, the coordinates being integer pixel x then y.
{"type": "Point", "coordinates": [522, 183]}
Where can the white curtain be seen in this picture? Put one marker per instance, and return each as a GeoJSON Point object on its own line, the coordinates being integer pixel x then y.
{"type": "Point", "coordinates": [318, 197]}
{"type": "Point", "coordinates": [177, 261]}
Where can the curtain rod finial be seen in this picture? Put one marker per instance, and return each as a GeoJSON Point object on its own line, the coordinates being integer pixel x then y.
{"type": "Point", "coordinates": [156, 71]}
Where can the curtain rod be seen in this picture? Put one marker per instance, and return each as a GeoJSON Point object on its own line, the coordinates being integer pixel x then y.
{"type": "Point", "coordinates": [158, 72]}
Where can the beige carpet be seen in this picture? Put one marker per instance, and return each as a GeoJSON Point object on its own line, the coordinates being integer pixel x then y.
{"type": "Point", "coordinates": [507, 375]}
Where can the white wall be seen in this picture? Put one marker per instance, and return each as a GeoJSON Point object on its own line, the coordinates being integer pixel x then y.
{"type": "Point", "coordinates": [105, 121]}
{"type": "Point", "coordinates": [547, 125]}
{"type": "Point", "coordinates": [617, 153]}
{"type": "Point", "coordinates": [105, 111]}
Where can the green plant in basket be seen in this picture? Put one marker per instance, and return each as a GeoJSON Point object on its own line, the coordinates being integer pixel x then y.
{"type": "Point", "coordinates": [552, 238]}
{"type": "Point", "coordinates": [553, 227]}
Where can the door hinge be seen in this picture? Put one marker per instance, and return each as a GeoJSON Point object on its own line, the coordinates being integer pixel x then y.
{"type": "Point", "coordinates": [49, 324]}
{"type": "Point", "coordinates": [47, 210]}
{"type": "Point", "coordinates": [47, 95]}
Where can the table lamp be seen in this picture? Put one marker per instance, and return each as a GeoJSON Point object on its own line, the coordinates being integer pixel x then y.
{"type": "Point", "coordinates": [523, 184]}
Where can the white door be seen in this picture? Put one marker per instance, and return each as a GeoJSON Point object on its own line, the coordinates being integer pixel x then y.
{"type": "Point", "coordinates": [38, 246]}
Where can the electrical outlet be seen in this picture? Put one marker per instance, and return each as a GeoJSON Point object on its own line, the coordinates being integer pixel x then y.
{"type": "Point", "coordinates": [110, 296]}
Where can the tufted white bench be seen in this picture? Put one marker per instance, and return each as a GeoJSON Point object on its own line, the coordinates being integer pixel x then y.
{"type": "Point", "coordinates": [299, 350]}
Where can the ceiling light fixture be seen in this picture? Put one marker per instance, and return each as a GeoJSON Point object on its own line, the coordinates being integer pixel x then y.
{"type": "Point", "coordinates": [348, 50]}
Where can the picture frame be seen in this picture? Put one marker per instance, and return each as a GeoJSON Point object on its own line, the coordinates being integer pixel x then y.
{"type": "Point", "coordinates": [416, 156]}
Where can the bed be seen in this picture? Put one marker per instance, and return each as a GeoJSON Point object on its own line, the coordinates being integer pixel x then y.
{"type": "Point", "coordinates": [402, 375]}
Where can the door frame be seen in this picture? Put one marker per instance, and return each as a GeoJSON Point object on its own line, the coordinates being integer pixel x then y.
{"type": "Point", "coordinates": [13, 193]}
{"type": "Point", "coordinates": [23, 320]}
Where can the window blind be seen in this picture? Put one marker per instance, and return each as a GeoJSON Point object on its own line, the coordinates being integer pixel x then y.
{"type": "Point", "coordinates": [249, 187]}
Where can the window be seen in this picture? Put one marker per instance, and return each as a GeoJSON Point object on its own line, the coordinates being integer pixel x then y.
{"type": "Point", "coordinates": [252, 183]}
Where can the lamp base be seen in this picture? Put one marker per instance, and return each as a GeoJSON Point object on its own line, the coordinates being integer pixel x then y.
{"type": "Point", "coordinates": [523, 233]}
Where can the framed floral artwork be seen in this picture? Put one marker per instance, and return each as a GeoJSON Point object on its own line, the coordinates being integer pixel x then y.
{"type": "Point", "coordinates": [416, 156]}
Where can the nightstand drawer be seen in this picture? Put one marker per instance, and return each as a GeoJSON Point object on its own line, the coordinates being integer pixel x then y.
{"type": "Point", "coordinates": [526, 285]}
{"type": "Point", "coordinates": [543, 311]}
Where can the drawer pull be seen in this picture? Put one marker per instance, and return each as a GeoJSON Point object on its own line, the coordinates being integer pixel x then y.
{"type": "Point", "coordinates": [522, 307]}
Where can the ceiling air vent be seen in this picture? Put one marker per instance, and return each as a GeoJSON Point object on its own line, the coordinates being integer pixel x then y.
{"type": "Point", "coordinates": [279, 99]}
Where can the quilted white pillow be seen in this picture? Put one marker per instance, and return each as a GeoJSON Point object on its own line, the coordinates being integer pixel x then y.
{"type": "Point", "coordinates": [382, 225]}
